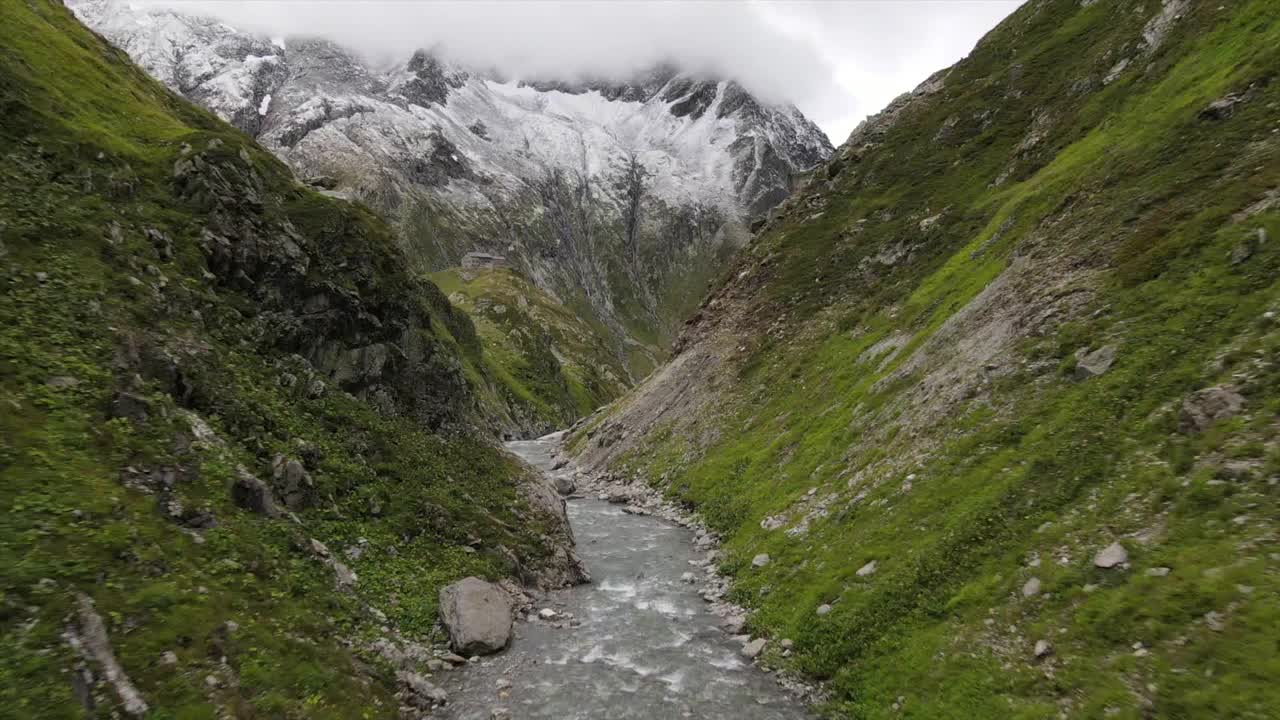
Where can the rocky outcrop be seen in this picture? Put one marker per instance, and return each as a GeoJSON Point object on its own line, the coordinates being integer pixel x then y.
{"type": "Point", "coordinates": [88, 637]}
{"type": "Point", "coordinates": [1205, 407]}
{"type": "Point", "coordinates": [477, 616]}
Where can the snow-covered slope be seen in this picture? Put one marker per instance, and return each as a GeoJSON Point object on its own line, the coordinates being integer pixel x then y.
{"type": "Point", "coordinates": [619, 198]}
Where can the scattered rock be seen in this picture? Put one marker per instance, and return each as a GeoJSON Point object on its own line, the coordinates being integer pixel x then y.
{"type": "Point", "coordinates": [1111, 556]}
{"type": "Point", "coordinates": [787, 644]}
{"type": "Point", "coordinates": [823, 609]}
{"type": "Point", "coordinates": [1221, 109]}
{"type": "Point", "coordinates": [868, 569]}
{"type": "Point", "coordinates": [1205, 407]}
{"type": "Point", "coordinates": [547, 614]}
{"type": "Point", "coordinates": [689, 578]}
{"type": "Point", "coordinates": [1158, 571]}
{"type": "Point", "coordinates": [252, 494]}
{"type": "Point", "coordinates": [61, 382]}
{"type": "Point", "coordinates": [760, 560]}
{"type": "Point", "coordinates": [168, 657]}
{"type": "Point", "coordinates": [343, 576]}
{"type": "Point", "coordinates": [1042, 648]}
{"type": "Point", "coordinates": [1031, 588]}
{"type": "Point", "coordinates": [477, 615]}
{"type": "Point", "coordinates": [1093, 364]}
{"type": "Point", "coordinates": [91, 641]}
{"type": "Point", "coordinates": [1214, 620]}
{"type": "Point", "coordinates": [292, 481]}
{"type": "Point", "coordinates": [754, 648]}
{"type": "Point", "coordinates": [130, 406]}
{"type": "Point", "coordinates": [420, 692]}
{"type": "Point", "coordinates": [734, 624]}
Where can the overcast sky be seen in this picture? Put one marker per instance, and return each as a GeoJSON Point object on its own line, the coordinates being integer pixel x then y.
{"type": "Point", "coordinates": [838, 60]}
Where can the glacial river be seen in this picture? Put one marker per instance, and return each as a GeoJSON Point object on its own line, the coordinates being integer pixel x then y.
{"type": "Point", "coordinates": [640, 642]}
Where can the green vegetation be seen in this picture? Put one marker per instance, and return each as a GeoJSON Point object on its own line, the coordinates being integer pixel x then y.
{"type": "Point", "coordinates": [911, 357]}
{"type": "Point", "coordinates": [554, 367]}
{"type": "Point", "coordinates": [179, 313]}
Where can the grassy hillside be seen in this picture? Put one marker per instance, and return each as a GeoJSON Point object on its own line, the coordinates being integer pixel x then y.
{"type": "Point", "coordinates": [234, 428]}
{"type": "Point", "coordinates": [554, 367]}
{"type": "Point", "coordinates": [1028, 312]}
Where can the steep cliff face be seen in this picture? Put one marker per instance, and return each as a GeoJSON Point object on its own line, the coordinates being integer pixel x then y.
{"type": "Point", "coordinates": [620, 199]}
{"type": "Point", "coordinates": [238, 450]}
{"type": "Point", "coordinates": [996, 390]}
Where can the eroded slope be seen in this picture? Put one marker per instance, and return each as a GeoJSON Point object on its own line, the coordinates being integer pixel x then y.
{"type": "Point", "coordinates": [1025, 315]}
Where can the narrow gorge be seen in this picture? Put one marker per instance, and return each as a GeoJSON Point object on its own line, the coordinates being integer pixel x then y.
{"type": "Point", "coordinates": [345, 385]}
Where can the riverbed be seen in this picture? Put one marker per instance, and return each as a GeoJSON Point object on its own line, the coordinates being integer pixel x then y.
{"type": "Point", "coordinates": [638, 642]}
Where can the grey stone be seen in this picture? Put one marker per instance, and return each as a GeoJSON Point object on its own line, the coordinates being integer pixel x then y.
{"type": "Point", "coordinates": [754, 648]}
{"type": "Point", "coordinates": [1214, 620]}
{"type": "Point", "coordinates": [292, 482]}
{"type": "Point", "coordinates": [1031, 588]}
{"type": "Point", "coordinates": [477, 615]}
{"type": "Point", "coordinates": [1093, 364]}
{"type": "Point", "coordinates": [1111, 556]}
{"type": "Point", "coordinates": [760, 560]}
{"type": "Point", "coordinates": [565, 485]}
{"type": "Point", "coordinates": [252, 494]}
{"type": "Point", "coordinates": [91, 641]}
{"type": "Point", "coordinates": [1205, 407]}
{"type": "Point", "coordinates": [419, 691]}
{"type": "Point", "coordinates": [1158, 571]}
{"type": "Point", "coordinates": [823, 609]}
{"type": "Point", "coordinates": [867, 570]}
{"type": "Point", "coordinates": [1042, 648]}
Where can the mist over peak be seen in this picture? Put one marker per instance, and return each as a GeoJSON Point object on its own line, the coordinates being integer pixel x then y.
{"type": "Point", "coordinates": [832, 60]}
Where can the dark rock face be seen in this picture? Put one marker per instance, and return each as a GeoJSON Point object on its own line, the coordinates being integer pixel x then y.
{"type": "Point", "coordinates": [254, 495]}
{"type": "Point", "coordinates": [431, 80]}
{"type": "Point", "coordinates": [371, 342]}
{"type": "Point", "coordinates": [692, 97]}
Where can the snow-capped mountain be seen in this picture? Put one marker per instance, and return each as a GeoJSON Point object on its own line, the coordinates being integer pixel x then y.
{"type": "Point", "coordinates": [619, 198]}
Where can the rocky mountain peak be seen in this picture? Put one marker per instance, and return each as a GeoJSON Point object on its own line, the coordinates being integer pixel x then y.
{"type": "Point", "coordinates": [620, 196]}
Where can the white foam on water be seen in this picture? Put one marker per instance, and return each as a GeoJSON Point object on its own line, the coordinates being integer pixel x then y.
{"type": "Point", "coordinates": [674, 679]}
{"type": "Point", "coordinates": [680, 639]}
{"type": "Point", "coordinates": [626, 589]}
{"type": "Point", "coordinates": [725, 662]}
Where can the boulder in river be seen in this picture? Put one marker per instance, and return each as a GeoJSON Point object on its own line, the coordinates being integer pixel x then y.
{"type": "Point", "coordinates": [477, 615]}
{"type": "Point", "coordinates": [565, 485]}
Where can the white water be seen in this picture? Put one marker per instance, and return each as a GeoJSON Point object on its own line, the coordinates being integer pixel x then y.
{"type": "Point", "coordinates": [646, 648]}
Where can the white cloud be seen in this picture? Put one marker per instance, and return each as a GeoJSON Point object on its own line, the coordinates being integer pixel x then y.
{"type": "Point", "coordinates": [837, 61]}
